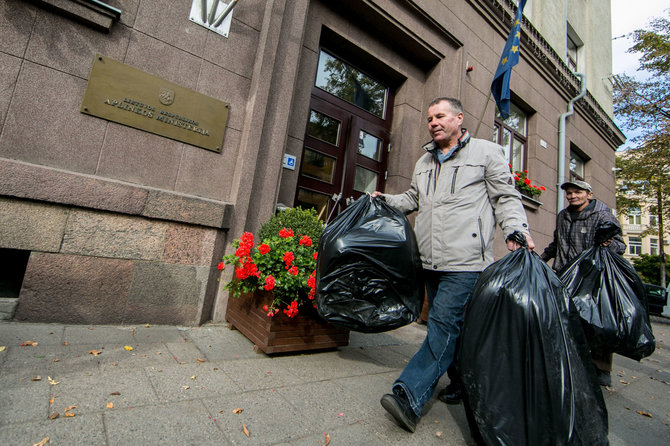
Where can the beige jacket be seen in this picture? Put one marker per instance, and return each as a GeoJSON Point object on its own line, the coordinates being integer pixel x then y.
{"type": "Point", "coordinates": [455, 225]}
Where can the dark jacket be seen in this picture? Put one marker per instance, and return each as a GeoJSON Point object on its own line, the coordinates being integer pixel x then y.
{"type": "Point", "coordinates": [575, 234]}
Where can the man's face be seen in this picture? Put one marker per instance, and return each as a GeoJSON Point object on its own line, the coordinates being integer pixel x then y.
{"type": "Point", "coordinates": [578, 198]}
{"type": "Point", "coordinates": [444, 125]}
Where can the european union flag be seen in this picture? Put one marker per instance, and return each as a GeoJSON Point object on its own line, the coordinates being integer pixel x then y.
{"type": "Point", "coordinates": [509, 58]}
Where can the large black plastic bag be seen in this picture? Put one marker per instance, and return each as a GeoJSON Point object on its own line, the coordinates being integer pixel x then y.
{"type": "Point", "coordinates": [369, 269]}
{"type": "Point", "coordinates": [611, 299]}
{"type": "Point", "coordinates": [525, 366]}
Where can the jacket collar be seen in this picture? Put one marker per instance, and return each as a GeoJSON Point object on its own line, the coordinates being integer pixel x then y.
{"type": "Point", "coordinates": [463, 140]}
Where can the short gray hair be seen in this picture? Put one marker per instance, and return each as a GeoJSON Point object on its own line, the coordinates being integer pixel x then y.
{"type": "Point", "coordinates": [454, 103]}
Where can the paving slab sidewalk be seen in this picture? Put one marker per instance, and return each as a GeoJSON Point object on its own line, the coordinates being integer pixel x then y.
{"type": "Point", "coordinates": [207, 385]}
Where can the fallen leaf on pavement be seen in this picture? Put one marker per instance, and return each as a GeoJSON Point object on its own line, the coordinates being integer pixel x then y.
{"type": "Point", "coordinates": [56, 360]}
{"type": "Point", "coordinates": [238, 410]}
{"type": "Point", "coordinates": [110, 405]}
{"type": "Point", "coordinates": [127, 347]}
{"type": "Point", "coordinates": [201, 360]}
{"type": "Point", "coordinates": [327, 442]}
{"type": "Point", "coordinates": [646, 414]}
{"type": "Point", "coordinates": [69, 414]}
{"type": "Point", "coordinates": [115, 393]}
{"type": "Point", "coordinates": [624, 382]}
{"type": "Point", "coordinates": [147, 325]}
{"type": "Point", "coordinates": [2, 348]}
{"type": "Point", "coordinates": [185, 387]}
{"type": "Point", "coordinates": [51, 401]}
{"type": "Point", "coordinates": [70, 408]}
{"type": "Point", "coordinates": [245, 430]}
{"type": "Point", "coordinates": [222, 411]}
{"type": "Point", "coordinates": [53, 416]}
{"type": "Point", "coordinates": [37, 378]}
{"type": "Point", "coordinates": [52, 382]}
{"type": "Point", "coordinates": [439, 434]}
{"type": "Point", "coordinates": [193, 377]}
{"type": "Point", "coordinates": [29, 344]}
{"type": "Point", "coordinates": [66, 343]}
{"type": "Point", "coordinates": [43, 442]}
{"type": "Point", "coordinates": [95, 352]}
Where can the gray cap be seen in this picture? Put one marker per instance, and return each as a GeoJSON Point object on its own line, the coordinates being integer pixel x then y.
{"type": "Point", "coordinates": [578, 184]}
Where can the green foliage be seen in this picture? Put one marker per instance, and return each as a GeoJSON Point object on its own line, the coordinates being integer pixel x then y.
{"type": "Point", "coordinates": [643, 180]}
{"type": "Point", "coordinates": [283, 261]}
{"type": "Point", "coordinates": [649, 268]}
{"type": "Point", "coordinates": [301, 221]}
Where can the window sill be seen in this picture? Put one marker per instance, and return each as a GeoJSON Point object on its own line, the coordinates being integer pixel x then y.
{"type": "Point", "coordinates": [530, 203]}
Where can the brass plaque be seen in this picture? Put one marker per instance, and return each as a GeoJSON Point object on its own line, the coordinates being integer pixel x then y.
{"type": "Point", "coordinates": [123, 94]}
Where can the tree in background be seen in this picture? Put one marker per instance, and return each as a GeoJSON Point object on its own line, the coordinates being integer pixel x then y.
{"type": "Point", "coordinates": [648, 268]}
{"type": "Point", "coordinates": [644, 171]}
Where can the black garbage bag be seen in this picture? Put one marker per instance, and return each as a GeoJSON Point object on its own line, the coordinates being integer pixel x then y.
{"type": "Point", "coordinates": [611, 299]}
{"type": "Point", "coordinates": [525, 366]}
{"type": "Point", "coordinates": [369, 269]}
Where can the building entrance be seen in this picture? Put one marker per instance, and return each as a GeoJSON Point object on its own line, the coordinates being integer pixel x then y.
{"type": "Point", "coordinates": [346, 140]}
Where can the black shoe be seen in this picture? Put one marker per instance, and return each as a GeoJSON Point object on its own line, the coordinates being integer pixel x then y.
{"type": "Point", "coordinates": [452, 394]}
{"type": "Point", "coordinates": [398, 406]}
{"type": "Point", "coordinates": [604, 378]}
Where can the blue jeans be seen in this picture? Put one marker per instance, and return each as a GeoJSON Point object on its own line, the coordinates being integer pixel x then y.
{"type": "Point", "coordinates": [448, 293]}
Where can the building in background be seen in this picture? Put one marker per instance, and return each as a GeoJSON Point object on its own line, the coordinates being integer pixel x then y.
{"type": "Point", "coordinates": [105, 221]}
{"type": "Point", "coordinates": [640, 232]}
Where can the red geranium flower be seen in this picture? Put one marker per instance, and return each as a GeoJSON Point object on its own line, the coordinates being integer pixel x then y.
{"type": "Point", "coordinates": [264, 249]}
{"type": "Point", "coordinates": [305, 240]}
{"type": "Point", "coordinates": [285, 233]}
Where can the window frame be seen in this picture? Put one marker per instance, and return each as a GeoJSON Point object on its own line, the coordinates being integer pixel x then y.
{"type": "Point", "coordinates": [499, 127]}
{"type": "Point", "coordinates": [634, 246]}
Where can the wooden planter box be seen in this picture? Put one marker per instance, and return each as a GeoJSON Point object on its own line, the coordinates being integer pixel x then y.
{"type": "Point", "coordinates": [281, 334]}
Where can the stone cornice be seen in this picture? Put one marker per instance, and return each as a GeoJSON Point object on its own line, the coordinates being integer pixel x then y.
{"type": "Point", "coordinates": [538, 52]}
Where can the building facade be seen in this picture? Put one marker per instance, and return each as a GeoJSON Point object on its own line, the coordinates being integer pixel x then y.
{"type": "Point", "coordinates": [641, 233]}
{"type": "Point", "coordinates": [104, 222]}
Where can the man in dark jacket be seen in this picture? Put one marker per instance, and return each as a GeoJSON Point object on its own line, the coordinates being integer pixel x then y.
{"type": "Point", "coordinates": [575, 231]}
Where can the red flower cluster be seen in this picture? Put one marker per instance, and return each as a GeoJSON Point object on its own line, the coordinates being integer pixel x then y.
{"type": "Point", "coordinates": [305, 241]}
{"type": "Point", "coordinates": [311, 283]}
{"type": "Point", "coordinates": [288, 259]}
{"type": "Point", "coordinates": [292, 309]}
{"type": "Point", "coordinates": [285, 233]}
{"type": "Point", "coordinates": [248, 268]}
{"type": "Point", "coordinates": [524, 184]}
{"type": "Point", "coordinates": [269, 283]}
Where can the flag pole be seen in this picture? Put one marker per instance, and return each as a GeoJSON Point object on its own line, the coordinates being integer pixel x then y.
{"type": "Point", "coordinates": [481, 118]}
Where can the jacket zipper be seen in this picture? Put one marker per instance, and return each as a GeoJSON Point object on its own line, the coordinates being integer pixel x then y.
{"type": "Point", "coordinates": [453, 180]}
{"type": "Point", "coordinates": [481, 239]}
{"type": "Point", "coordinates": [430, 176]}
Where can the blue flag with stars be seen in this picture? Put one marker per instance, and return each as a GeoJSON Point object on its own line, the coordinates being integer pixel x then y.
{"type": "Point", "coordinates": [508, 58]}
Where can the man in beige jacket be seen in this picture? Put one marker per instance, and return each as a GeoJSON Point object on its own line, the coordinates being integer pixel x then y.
{"type": "Point", "coordinates": [461, 187]}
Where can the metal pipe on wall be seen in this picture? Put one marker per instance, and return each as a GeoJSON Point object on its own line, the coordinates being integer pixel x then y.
{"type": "Point", "coordinates": [561, 142]}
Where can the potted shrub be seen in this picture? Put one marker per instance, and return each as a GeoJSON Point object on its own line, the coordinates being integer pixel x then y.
{"type": "Point", "coordinates": [273, 285]}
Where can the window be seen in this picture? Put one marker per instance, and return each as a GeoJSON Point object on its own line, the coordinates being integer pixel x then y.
{"type": "Point", "coordinates": [573, 48]}
{"type": "Point", "coordinates": [634, 246]}
{"type": "Point", "coordinates": [576, 166]}
{"type": "Point", "coordinates": [511, 135]}
{"type": "Point", "coordinates": [634, 216]}
{"type": "Point", "coordinates": [653, 220]}
{"type": "Point", "coordinates": [346, 82]}
{"type": "Point", "coordinates": [653, 246]}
